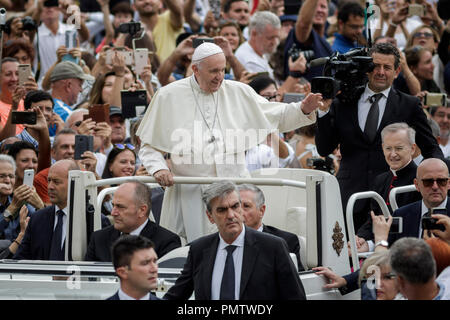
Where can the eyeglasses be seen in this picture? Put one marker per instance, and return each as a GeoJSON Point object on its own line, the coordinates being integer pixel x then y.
{"type": "Point", "coordinates": [441, 182]}
{"type": "Point", "coordinates": [128, 146]}
{"type": "Point", "coordinates": [270, 98]}
{"type": "Point", "coordinates": [4, 176]}
{"type": "Point", "coordinates": [423, 34]}
{"type": "Point", "coordinates": [388, 276]}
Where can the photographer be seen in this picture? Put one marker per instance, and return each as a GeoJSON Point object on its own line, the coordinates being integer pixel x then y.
{"type": "Point", "coordinates": [356, 126]}
{"type": "Point", "coordinates": [308, 34]}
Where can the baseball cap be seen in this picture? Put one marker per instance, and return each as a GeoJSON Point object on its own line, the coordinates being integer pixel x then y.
{"type": "Point", "coordinates": [113, 110]}
{"type": "Point", "coordinates": [69, 70]}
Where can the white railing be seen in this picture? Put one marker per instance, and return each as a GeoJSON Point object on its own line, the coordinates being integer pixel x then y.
{"type": "Point", "coordinates": [397, 190]}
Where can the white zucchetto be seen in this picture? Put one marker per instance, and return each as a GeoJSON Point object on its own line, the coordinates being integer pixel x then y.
{"type": "Point", "coordinates": [205, 50]}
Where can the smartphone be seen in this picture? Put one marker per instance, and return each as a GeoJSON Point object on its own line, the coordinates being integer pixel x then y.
{"type": "Point", "coordinates": [69, 57]}
{"type": "Point", "coordinates": [23, 117]}
{"type": "Point", "coordinates": [140, 60]}
{"type": "Point", "coordinates": [397, 225]}
{"type": "Point", "coordinates": [71, 39]}
{"type": "Point", "coordinates": [28, 177]}
{"type": "Point", "coordinates": [435, 99]}
{"type": "Point", "coordinates": [416, 10]}
{"type": "Point", "coordinates": [99, 113]}
{"type": "Point", "coordinates": [293, 97]}
{"type": "Point", "coordinates": [133, 103]}
{"type": "Point", "coordinates": [429, 223]}
{"type": "Point", "coordinates": [24, 73]}
{"type": "Point", "coordinates": [128, 56]}
{"type": "Point", "coordinates": [83, 143]}
{"type": "Point", "coordinates": [198, 41]}
{"type": "Point", "coordinates": [215, 8]}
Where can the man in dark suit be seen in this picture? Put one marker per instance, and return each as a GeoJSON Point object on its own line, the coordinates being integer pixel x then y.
{"type": "Point", "coordinates": [135, 263]}
{"type": "Point", "coordinates": [131, 209]}
{"type": "Point", "coordinates": [356, 127]}
{"type": "Point", "coordinates": [237, 263]}
{"type": "Point", "coordinates": [398, 144]}
{"type": "Point", "coordinates": [253, 209]}
{"type": "Point", "coordinates": [433, 184]}
{"type": "Point", "coordinates": [45, 235]}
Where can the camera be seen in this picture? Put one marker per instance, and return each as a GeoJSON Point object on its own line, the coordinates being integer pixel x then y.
{"type": "Point", "coordinates": [29, 24]}
{"type": "Point", "coordinates": [343, 72]}
{"type": "Point", "coordinates": [295, 52]}
{"type": "Point", "coordinates": [317, 163]}
{"type": "Point", "coordinates": [198, 41]}
{"type": "Point", "coordinates": [435, 99]}
{"type": "Point", "coordinates": [130, 27]}
{"type": "Point", "coordinates": [429, 223]}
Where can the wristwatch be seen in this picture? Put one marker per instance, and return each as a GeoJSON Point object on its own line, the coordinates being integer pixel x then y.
{"type": "Point", "coordinates": [7, 214]}
{"type": "Point", "coordinates": [382, 243]}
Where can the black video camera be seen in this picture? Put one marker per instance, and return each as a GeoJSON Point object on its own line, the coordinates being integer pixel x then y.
{"type": "Point", "coordinates": [343, 72]}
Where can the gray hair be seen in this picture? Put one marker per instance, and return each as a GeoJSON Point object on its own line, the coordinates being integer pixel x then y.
{"type": "Point", "coordinates": [261, 19]}
{"type": "Point", "coordinates": [7, 158]}
{"type": "Point", "coordinates": [377, 259]}
{"type": "Point", "coordinates": [395, 127]}
{"type": "Point", "coordinates": [412, 259]}
{"type": "Point", "coordinates": [60, 133]}
{"type": "Point", "coordinates": [142, 194]}
{"type": "Point", "coordinates": [259, 195]}
{"type": "Point", "coordinates": [218, 190]}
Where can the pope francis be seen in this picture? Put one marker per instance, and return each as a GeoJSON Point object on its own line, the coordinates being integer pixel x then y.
{"type": "Point", "coordinates": [206, 124]}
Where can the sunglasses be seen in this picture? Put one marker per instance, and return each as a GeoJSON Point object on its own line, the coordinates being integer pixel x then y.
{"type": "Point", "coordinates": [128, 146]}
{"type": "Point", "coordinates": [423, 34]}
{"type": "Point", "coordinates": [441, 182]}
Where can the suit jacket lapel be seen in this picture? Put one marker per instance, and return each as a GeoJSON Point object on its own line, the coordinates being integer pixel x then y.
{"type": "Point", "coordinates": [250, 253]}
{"type": "Point", "coordinates": [48, 233]}
{"type": "Point", "coordinates": [390, 109]}
{"type": "Point", "coordinates": [209, 256]}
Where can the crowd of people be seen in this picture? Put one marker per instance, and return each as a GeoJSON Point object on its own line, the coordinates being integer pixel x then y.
{"type": "Point", "coordinates": [170, 88]}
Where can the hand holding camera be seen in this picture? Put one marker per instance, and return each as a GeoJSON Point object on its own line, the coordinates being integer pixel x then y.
{"type": "Point", "coordinates": [400, 14]}
{"type": "Point", "coordinates": [18, 94]}
{"type": "Point", "coordinates": [442, 220]}
{"type": "Point", "coordinates": [223, 43]}
{"type": "Point", "coordinates": [41, 123]}
{"type": "Point", "coordinates": [87, 126]}
{"type": "Point", "coordinates": [298, 65]}
{"type": "Point", "coordinates": [88, 161]}
{"type": "Point", "coordinates": [118, 62]}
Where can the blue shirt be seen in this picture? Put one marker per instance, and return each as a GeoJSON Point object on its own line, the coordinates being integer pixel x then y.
{"type": "Point", "coordinates": [10, 230]}
{"type": "Point", "coordinates": [342, 44]}
{"type": "Point", "coordinates": [319, 45]}
{"type": "Point", "coordinates": [62, 109]}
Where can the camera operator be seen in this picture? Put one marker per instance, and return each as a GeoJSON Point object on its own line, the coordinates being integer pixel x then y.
{"type": "Point", "coordinates": [356, 126]}
{"type": "Point", "coordinates": [309, 34]}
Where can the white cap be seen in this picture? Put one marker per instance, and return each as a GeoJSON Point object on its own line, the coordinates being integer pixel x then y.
{"type": "Point", "coordinates": [205, 50]}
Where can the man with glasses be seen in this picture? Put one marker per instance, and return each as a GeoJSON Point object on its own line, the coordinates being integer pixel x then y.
{"type": "Point", "coordinates": [433, 184]}
{"type": "Point", "coordinates": [66, 83]}
{"type": "Point", "coordinates": [350, 26]}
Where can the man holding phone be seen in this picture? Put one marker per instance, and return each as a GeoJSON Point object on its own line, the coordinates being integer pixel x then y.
{"type": "Point", "coordinates": [432, 182]}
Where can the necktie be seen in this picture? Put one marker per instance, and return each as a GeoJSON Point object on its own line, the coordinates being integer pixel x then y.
{"type": "Point", "coordinates": [56, 251]}
{"type": "Point", "coordinates": [227, 286]}
{"type": "Point", "coordinates": [370, 129]}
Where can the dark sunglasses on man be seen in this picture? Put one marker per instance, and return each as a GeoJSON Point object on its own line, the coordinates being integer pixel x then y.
{"type": "Point", "coordinates": [441, 182]}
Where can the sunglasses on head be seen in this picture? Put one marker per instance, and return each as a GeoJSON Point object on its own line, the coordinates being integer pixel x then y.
{"type": "Point", "coordinates": [441, 182]}
{"type": "Point", "coordinates": [128, 146]}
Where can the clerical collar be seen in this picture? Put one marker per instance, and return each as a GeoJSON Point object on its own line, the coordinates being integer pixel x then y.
{"type": "Point", "coordinates": [395, 172]}
{"type": "Point", "coordinates": [368, 93]}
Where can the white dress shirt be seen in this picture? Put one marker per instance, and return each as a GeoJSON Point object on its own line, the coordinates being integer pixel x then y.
{"type": "Point", "coordinates": [425, 210]}
{"type": "Point", "coordinates": [124, 296]}
{"type": "Point", "coordinates": [219, 265]}
{"type": "Point", "coordinates": [364, 106]}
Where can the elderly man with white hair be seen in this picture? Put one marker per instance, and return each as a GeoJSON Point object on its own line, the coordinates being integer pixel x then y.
{"type": "Point", "coordinates": [206, 124]}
